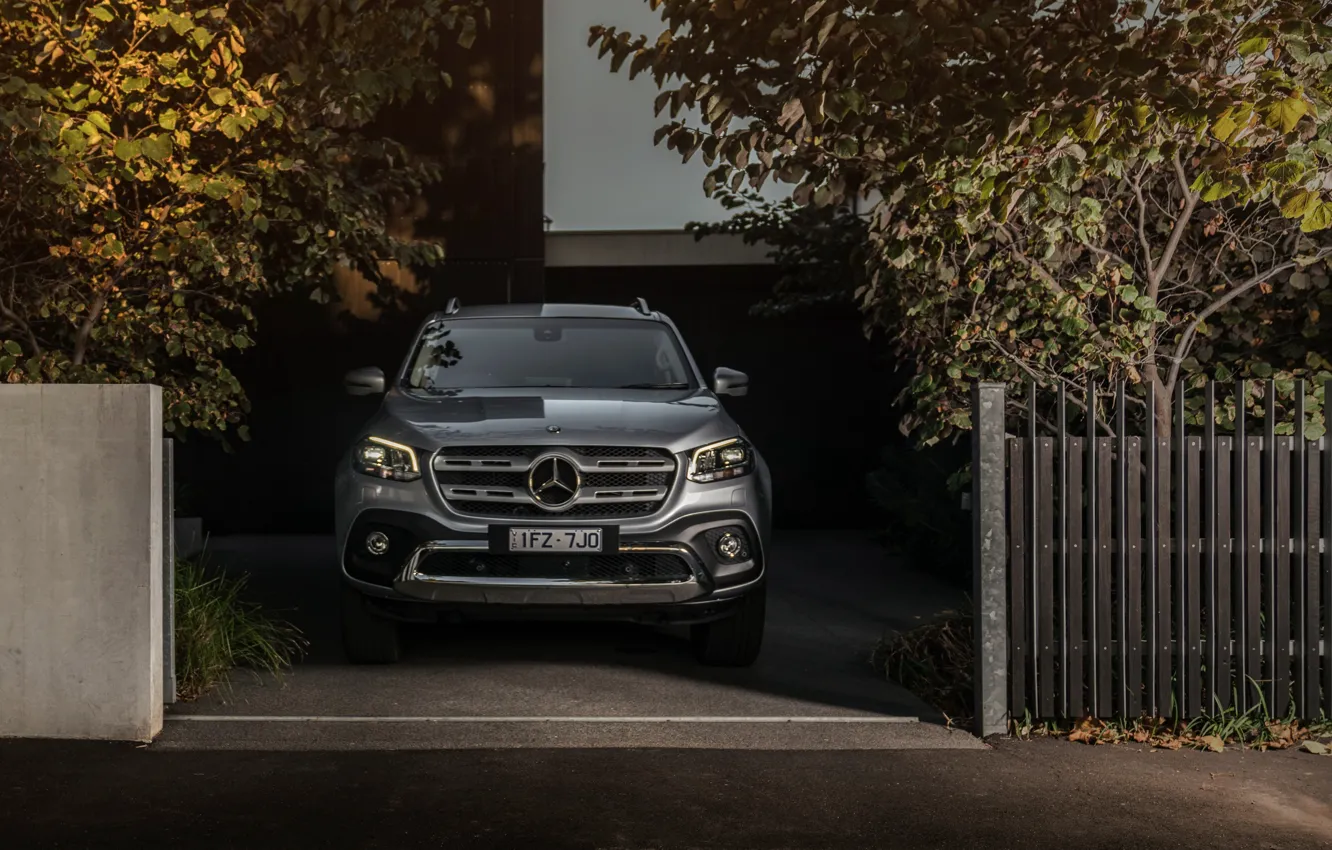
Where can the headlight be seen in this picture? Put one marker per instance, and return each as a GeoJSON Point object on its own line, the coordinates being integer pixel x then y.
{"type": "Point", "coordinates": [719, 461]}
{"type": "Point", "coordinates": [384, 459]}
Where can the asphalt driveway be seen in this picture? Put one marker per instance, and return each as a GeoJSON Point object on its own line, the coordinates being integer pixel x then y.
{"type": "Point", "coordinates": [1027, 796]}
{"type": "Point", "coordinates": [585, 685]}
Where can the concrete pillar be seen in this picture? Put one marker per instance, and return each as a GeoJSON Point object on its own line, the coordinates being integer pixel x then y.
{"type": "Point", "coordinates": [81, 575]}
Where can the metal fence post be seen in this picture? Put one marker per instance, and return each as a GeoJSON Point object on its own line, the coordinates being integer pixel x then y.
{"type": "Point", "coordinates": [989, 541]}
{"type": "Point", "coordinates": [169, 571]}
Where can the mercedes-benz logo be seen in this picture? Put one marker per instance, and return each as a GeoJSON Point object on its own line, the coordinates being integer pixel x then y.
{"type": "Point", "coordinates": [553, 481]}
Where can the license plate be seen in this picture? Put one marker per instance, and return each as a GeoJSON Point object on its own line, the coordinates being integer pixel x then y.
{"type": "Point", "coordinates": [555, 539]}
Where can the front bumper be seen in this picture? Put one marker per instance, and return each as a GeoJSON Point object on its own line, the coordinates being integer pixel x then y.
{"type": "Point", "coordinates": [403, 571]}
{"type": "Point", "coordinates": [420, 522]}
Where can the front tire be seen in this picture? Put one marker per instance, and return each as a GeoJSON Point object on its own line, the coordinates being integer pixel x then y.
{"type": "Point", "coordinates": [736, 640]}
{"type": "Point", "coordinates": [366, 638]}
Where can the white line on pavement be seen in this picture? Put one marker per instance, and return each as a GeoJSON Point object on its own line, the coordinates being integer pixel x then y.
{"type": "Point", "coordinates": [241, 718]}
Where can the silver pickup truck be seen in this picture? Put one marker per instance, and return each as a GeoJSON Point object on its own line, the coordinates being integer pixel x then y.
{"type": "Point", "coordinates": [553, 461]}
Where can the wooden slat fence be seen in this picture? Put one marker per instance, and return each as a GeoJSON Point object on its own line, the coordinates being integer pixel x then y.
{"type": "Point", "coordinates": [1173, 574]}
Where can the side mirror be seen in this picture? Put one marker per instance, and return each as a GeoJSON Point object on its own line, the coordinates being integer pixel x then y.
{"type": "Point", "coordinates": [730, 382]}
{"type": "Point", "coordinates": [367, 381]}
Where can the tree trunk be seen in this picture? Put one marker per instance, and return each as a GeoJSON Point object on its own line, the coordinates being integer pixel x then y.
{"type": "Point", "coordinates": [85, 330]}
{"type": "Point", "coordinates": [1161, 392]}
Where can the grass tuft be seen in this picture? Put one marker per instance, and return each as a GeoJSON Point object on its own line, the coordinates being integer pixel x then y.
{"type": "Point", "coordinates": [216, 631]}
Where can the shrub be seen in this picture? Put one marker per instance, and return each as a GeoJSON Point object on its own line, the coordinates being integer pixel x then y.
{"type": "Point", "coordinates": [934, 662]}
{"type": "Point", "coordinates": [217, 631]}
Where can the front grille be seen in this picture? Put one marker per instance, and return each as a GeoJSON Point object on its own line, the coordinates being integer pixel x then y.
{"type": "Point", "coordinates": [617, 482]}
{"type": "Point", "coordinates": [484, 451]}
{"type": "Point", "coordinates": [624, 567]}
{"type": "Point", "coordinates": [526, 510]}
{"type": "Point", "coordinates": [519, 479]}
{"type": "Point", "coordinates": [617, 451]}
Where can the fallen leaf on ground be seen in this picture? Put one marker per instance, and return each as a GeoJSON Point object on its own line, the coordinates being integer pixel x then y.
{"type": "Point", "coordinates": [1316, 748]}
{"type": "Point", "coordinates": [1168, 744]}
{"type": "Point", "coordinates": [1213, 743]}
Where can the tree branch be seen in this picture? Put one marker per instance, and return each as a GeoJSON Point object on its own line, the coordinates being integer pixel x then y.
{"type": "Point", "coordinates": [86, 328]}
{"type": "Point", "coordinates": [1110, 255]}
{"type": "Point", "coordinates": [1143, 241]}
{"type": "Point", "coordinates": [1191, 329]}
{"type": "Point", "coordinates": [1181, 224]}
{"type": "Point", "coordinates": [18, 321]}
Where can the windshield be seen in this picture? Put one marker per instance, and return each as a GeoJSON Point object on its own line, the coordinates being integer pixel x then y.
{"type": "Point", "coordinates": [547, 352]}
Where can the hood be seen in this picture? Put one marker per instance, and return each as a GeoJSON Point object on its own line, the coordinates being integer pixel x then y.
{"type": "Point", "coordinates": [667, 419]}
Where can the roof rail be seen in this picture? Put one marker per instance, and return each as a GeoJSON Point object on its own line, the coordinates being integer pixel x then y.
{"type": "Point", "coordinates": [454, 306]}
{"type": "Point", "coordinates": [640, 304]}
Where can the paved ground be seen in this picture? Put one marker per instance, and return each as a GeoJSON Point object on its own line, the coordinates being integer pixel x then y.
{"type": "Point", "coordinates": [832, 597]}
{"type": "Point", "coordinates": [1038, 795]}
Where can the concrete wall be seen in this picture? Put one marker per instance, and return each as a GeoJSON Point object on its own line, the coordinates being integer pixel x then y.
{"type": "Point", "coordinates": [602, 170]}
{"type": "Point", "coordinates": [80, 562]}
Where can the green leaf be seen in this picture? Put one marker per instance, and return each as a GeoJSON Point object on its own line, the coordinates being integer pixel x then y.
{"type": "Point", "coordinates": [133, 84]}
{"type": "Point", "coordinates": [1142, 113]}
{"type": "Point", "coordinates": [1318, 217]}
{"type": "Point", "coordinates": [1253, 46]}
{"type": "Point", "coordinates": [1219, 190]}
{"type": "Point", "coordinates": [1284, 115]}
{"type": "Point", "coordinates": [102, 13]}
{"type": "Point", "coordinates": [13, 348]}
{"type": "Point", "coordinates": [231, 127]}
{"type": "Point", "coordinates": [201, 37]}
{"type": "Point", "coordinates": [1287, 171]}
{"type": "Point", "coordinates": [127, 149]}
{"type": "Point", "coordinates": [1298, 203]}
{"type": "Point", "coordinates": [1089, 128]}
{"type": "Point", "coordinates": [157, 147]}
{"type": "Point", "coordinates": [1225, 127]}
{"type": "Point", "coordinates": [219, 96]}
{"type": "Point", "coordinates": [99, 121]}
{"type": "Point", "coordinates": [167, 120]}
{"type": "Point", "coordinates": [1064, 171]}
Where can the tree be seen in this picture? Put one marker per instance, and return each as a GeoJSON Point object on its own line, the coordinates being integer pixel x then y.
{"type": "Point", "coordinates": [819, 252]}
{"type": "Point", "coordinates": [1070, 189]}
{"type": "Point", "coordinates": [166, 163]}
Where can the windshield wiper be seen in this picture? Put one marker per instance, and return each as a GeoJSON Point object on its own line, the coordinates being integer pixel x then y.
{"type": "Point", "coordinates": [678, 385]}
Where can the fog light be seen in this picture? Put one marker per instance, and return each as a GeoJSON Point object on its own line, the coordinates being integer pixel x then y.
{"type": "Point", "coordinates": [376, 543]}
{"type": "Point", "coordinates": [730, 546]}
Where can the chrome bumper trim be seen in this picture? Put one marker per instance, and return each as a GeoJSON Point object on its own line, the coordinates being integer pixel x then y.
{"type": "Point", "coordinates": [545, 591]}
